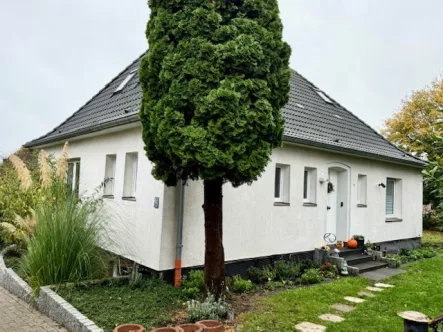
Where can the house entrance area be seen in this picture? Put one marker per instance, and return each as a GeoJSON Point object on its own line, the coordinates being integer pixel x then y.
{"type": "Point", "coordinates": [337, 215]}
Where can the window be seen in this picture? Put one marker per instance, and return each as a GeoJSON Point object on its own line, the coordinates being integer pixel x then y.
{"type": "Point", "coordinates": [310, 186]}
{"type": "Point", "coordinates": [125, 81]}
{"type": "Point", "coordinates": [109, 181]}
{"type": "Point", "coordinates": [73, 176]}
{"type": "Point", "coordinates": [281, 185]}
{"type": "Point", "coordinates": [390, 196]}
{"type": "Point", "coordinates": [393, 199]}
{"type": "Point", "coordinates": [323, 96]}
{"type": "Point", "coordinates": [130, 181]}
{"type": "Point", "coordinates": [362, 184]}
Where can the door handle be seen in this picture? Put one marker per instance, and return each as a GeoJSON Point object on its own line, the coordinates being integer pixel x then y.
{"type": "Point", "coordinates": [328, 208]}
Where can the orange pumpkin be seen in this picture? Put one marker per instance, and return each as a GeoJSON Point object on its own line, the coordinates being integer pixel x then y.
{"type": "Point", "coordinates": [352, 244]}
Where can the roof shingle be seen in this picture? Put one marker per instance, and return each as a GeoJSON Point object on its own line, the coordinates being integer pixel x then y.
{"type": "Point", "coordinates": [309, 120]}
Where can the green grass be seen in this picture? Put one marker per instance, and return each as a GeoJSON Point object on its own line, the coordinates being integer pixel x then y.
{"type": "Point", "coordinates": [149, 303]}
{"type": "Point", "coordinates": [432, 238]}
{"type": "Point", "coordinates": [420, 289]}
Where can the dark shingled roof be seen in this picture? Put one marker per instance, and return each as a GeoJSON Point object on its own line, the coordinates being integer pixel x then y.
{"type": "Point", "coordinates": [309, 120]}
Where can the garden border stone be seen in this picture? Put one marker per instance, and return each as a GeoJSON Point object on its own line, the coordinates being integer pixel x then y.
{"type": "Point", "coordinates": [48, 302]}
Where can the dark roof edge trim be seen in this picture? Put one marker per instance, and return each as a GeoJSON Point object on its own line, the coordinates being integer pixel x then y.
{"type": "Point", "coordinates": [110, 124]}
{"type": "Point", "coordinates": [324, 146]}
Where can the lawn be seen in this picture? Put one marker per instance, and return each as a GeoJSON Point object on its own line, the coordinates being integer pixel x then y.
{"type": "Point", "coordinates": [149, 303]}
{"type": "Point", "coordinates": [420, 289]}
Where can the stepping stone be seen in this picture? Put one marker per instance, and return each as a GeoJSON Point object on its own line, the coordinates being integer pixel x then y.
{"type": "Point", "coordinates": [310, 327]}
{"type": "Point", "coordinates": [374, 289]}
{"type": "Point", "coordinates": [366, 294]}
{"type": "Point", "coordinates": [380, 285]}
{"type": "Point", "coordinates": [343, 307]}
{"type": "Point", "coordinates": [354, 299]}
{"type": "Point", "coordinates": [331, 318]}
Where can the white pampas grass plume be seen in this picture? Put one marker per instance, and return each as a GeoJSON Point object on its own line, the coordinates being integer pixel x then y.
{"type": "Point", "coordinates": [62, 163]}
{"type": "Point", "coordinates": [45, 170]}
{"type": "Point", "coordinates": [23, 172]}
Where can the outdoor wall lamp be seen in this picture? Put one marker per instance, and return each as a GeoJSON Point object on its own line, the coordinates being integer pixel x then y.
{"type": "Point", "coordinates": [382, 185]}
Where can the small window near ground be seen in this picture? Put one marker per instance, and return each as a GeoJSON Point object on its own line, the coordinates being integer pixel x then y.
{"type": "Point", "coordinates": [281, 185]}
{"type": "Point", "coordinates": [130, 181]}
{"type": "Point", "coordinates": [362, 184]}
{"type": "Point", "coordinates": [310, 185]}
{"type": "Point", "coordinates": [109, 180]}
{"type": "Point", "coordinates": [73, 176]}
{"type": "Point", "coordinates": [393, 198]}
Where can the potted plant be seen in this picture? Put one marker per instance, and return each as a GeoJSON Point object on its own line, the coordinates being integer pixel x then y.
{"type": "Point", "coordinates": [191, 328]}
{"type": "Point", "coordinates": [211, 325]}
{"type": "Point", "coordinates": [360, 241]}
{"type": "Point", "coordinates": [129, 328]}
{"type": "Point", "coordinates": [368, 247]}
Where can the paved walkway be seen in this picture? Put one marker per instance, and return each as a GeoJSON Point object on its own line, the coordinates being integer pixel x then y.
{"type": "Point", "coordinates": [17, 315]}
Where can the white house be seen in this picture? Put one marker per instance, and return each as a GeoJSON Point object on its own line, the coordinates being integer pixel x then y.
{"type": "Point", "coordinates": [333, 174]}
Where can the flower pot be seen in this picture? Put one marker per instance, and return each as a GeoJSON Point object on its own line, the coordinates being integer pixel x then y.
{"type": "Point", "coordinates": [191, 328]}
{"type": "Point", "coordinates": [129, 328]}
{"type": "Point", "coordinates": [168, 329]}
{"type": "Point", "coordinates": [211, 326]}
{"type": "Point", "coordinates": [361, 243]}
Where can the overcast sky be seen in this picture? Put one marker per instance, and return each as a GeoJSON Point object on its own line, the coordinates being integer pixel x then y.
{"type": "Point", "coordinates": [55, 55]}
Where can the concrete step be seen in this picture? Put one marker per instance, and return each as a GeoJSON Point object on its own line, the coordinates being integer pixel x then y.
{"type": "Point", "coordinates": [369, 266]}
{"type": "Point", "coordinates": [345, 252]}
{"type": "Point", "coordinates": [352, 260]}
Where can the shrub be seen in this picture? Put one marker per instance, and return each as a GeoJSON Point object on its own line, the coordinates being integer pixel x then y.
{"type": "Point", "coordinates": [240, 285]}
{"type": "Point", "coordinates": [327, 270]}
{"type": "Point", "coordinates": [287, 270]}
{"type": "Point", "coordinates": [307, 264]}
{"type": "Point", "coordinates": [65, 245]}
{"type": "Point", "coordinates": [258, 275]}
{"type": "Point", "coordinates": [208, 309]}
{"type": "Point", "coordinates": [311, 276]}
{"type": "Point", "coordinates": [273, 285]}
{"type": "Point", "coordinates": [194, 285]}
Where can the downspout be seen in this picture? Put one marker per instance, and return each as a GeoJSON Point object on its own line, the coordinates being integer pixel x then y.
{"type": "Point", "coordinates": [179, 242]}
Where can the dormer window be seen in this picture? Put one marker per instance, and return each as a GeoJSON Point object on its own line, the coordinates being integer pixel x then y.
{"type": "Point", "coordinates": [125, 81]}
{"type": "Point", "coordinates": [323, 96]}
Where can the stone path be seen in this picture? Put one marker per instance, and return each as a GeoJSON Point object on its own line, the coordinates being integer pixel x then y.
{"type": "Point", "coordinates": [17, 315]}
{"type": "Point", "coordinates": [341, 308]}
{"type": "Point", "coordinates": [381, 274]}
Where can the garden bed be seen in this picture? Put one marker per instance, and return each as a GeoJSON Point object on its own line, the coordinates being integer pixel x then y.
{"type": "Point", "coordinates": [150, 302]}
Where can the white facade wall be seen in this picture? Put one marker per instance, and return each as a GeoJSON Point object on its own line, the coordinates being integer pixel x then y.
{"type": "Point", "coordinates": [134, 226]}
{"type": "Point", "coordinates": [254, 227]}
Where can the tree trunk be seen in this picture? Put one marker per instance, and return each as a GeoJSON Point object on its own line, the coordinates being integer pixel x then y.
{"type": "Point", "coordinates": [214, 252]}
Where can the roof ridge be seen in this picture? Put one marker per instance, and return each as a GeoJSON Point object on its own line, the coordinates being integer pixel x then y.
{"type": "Point", "coordinates": [355, 116]}
{"type": "Point", "coordinates": [90, 99]}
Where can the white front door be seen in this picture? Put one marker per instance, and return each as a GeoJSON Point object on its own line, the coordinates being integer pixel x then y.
{"type": "Point", "coordinates": [337, 217]}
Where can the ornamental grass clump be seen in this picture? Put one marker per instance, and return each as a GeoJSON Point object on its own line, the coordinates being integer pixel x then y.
{"type": "Point", "coordinates": [65, 244]}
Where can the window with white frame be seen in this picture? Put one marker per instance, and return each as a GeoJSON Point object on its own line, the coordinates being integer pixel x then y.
{"type": "Point", "coordinates": [281, 184]}
{"type": "Point", "coordinates": [310, 185]}
{"type": "Point", "coordinates": [393, 198]}
{"type": "Point", "coordinates": [362, 185]}
{"type": "Point", "coordinates": [73, 176]}
{"type": "Point", "coordinates": [130, 180]}
{"type": "Point", "coordinates": [109, 181]}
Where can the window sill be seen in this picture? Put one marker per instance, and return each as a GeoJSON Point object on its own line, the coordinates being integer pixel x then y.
{"type": "Point", "coordinates": [281, 204]}
{"type": "Point", "coordinates": [129, 199]}
{"type": "Point", "coordinates": [108, 196]}
{"type": "Point", "coordinates": [393, 219]}
{"type": "Point", "coordinates": [310, 204]}
{"type": "Point", "coordinates": [362, 205]}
